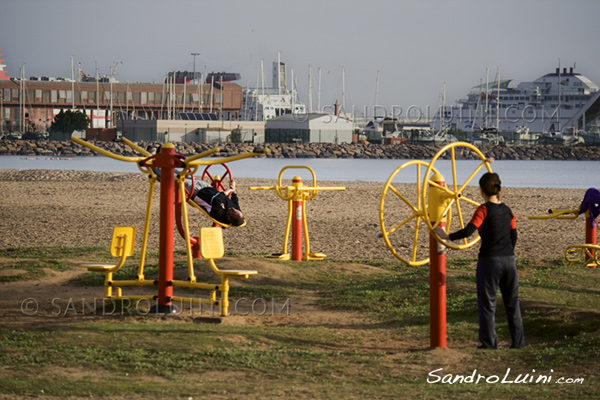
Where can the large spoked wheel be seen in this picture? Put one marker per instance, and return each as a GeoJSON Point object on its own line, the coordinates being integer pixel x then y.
{"type": "Point", "coordinates": [400, 216]}
{"type": "Point", "coordinates": [217, 180]}
{"type": "Point", "coordinates": [459, 199]}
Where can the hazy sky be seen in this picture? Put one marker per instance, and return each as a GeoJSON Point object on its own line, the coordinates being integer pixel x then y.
{"type": "Point", "coordinates": [415, 45]}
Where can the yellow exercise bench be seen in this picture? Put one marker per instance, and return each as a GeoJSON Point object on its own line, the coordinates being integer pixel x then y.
{"type": "Point", "coordinates": [121, 245]}
{"type": "Point", "coordinates": [211, 247]}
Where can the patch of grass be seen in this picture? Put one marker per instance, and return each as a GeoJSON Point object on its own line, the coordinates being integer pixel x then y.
{"type": "Point", "coordinates": [464, 263]}
{"type": "Point", "coordinates": [262, 291]}
{"type": "Point", "coordinates": [28, 270]}
{"type": "Point", "coordinates": [50, 252]}
{"type": "Point", "coordinates": [383, 356]}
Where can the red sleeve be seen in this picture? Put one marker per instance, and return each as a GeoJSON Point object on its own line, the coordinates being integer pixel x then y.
{"type": "Point", "coordinates": [479, 216]}
{"type": "Point", "coordinates": [513, 222]}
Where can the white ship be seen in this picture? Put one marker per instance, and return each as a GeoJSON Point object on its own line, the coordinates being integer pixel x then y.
{"type": "Point", "coordinates": [544, 105]}
{"type": "Point", "coordinates": [263, 103]}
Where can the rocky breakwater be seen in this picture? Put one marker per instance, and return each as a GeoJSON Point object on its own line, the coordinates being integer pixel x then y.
{"type": "Point", "coordinates": [307, 150]}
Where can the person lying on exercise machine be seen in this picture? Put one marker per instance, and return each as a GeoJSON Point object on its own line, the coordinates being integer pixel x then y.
{"type": "Point", "coordinates": [221, 206]}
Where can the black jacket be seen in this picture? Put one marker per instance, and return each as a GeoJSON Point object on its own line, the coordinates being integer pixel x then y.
{"type": "Point", "coordinates": [219, 202]}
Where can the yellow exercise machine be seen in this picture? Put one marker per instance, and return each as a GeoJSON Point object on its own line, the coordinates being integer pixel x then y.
{"type": "Point", "coordinates": [210, 239]}
{"type": "Point", "coordinates": [296, 195]}
{"type": "Point", "coordinates": [588, 254]}
{"type": "Point", "coordinates": [403, 209]}
{"type": "Point", "coordinates": [435, 204]}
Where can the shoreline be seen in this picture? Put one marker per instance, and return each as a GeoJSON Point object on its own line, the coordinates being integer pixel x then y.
{"type": "Point", "coordinates": [307, 150]}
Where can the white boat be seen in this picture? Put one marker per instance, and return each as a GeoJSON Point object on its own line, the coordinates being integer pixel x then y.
{"type": "Point", "coordinates": [379, 129]}
{"type": "Point", "coordinates": [487, 136]}
{"type": "Point", "coordinates": [522, 135]}
{"type": "Point", "coordinates": [559, 138]}
{"type": "Point", "coordinates": [426, 137]}
{"type": "Point", "coordinates": [543, 105]}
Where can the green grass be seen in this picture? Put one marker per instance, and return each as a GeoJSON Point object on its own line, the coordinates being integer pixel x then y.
{"type": "Point", "coordinates": [381, 351]}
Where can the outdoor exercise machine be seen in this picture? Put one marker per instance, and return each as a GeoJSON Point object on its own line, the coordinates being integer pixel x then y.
{"type": "Point", "coordinates": [296, 195]}
{"type": "Point", "coordinates": [589, 252]}
{"type": "Point", "coordinates": [434, 204]}
{"type": "Point", "coordinates": [210, 242]}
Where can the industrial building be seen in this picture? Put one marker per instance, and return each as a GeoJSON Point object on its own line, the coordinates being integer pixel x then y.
{"type": "Point", "coordinates": [309, 128]}
{"type": "Point", "coordinates": [30, 105]}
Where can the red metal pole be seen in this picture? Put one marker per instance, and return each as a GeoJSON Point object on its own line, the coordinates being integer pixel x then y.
{"type": "Point", "coordinates": [590, 237]}
{"type": "Point", "coordinates": [437, 292]}
{"type": "Point", "coordinates": [297, 205]}
{"type": "Point", "coordinates": [437, 271]}
{"type": "Point", "coordinates": [166, 161]}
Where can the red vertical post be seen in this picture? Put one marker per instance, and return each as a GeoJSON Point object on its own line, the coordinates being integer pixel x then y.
{"type": "Point", "coordinates": [437, 269]}
{"type": "Point", "coordinates": [590, 236]}
{"type": "Point", "coordinates": [166, 161]}
{"type": "Point", "coordinates": [437, 292]}
{"type": "Point", "coordinates": [297, 212]}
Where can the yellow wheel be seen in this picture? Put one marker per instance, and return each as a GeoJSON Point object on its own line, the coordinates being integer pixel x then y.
{"type": "Point", "coordinates": [458, 197]}
{"type": "Point", "coordinates": [400, 217]}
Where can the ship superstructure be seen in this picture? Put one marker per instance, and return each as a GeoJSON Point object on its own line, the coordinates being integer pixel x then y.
{"type": "Point", "coordinates": [543, 105]}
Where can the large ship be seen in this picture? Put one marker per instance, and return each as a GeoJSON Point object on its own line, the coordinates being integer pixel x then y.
{"type": "Point", "coordinates": [263, 103]}
{"type": "Point", "coordinates": [542, 106]}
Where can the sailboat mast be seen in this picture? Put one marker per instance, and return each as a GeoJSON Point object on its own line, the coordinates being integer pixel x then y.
{"type": "Point", "coordinates": [184, 88]}
{"type": "Point", "coordinates": [319, 92]}
{"type": "Point", "coordinates": [262, 79]}
{"type": "Point", "coordinates": [256, 98]}
{"type": "Point", "coordinates": [487, 79]}
{"type": "Point", "coordinates": [558, 95]}
{"type": "Point", "coordinates": [72, 85]}
{"type": "Point", "coordinates": [443, 103]}
{"type": "Point", "coordinates": [212, 85]}
{"type": "Point", "coordinates": [22, 99]}
{"type": "Point", "coordinates": [97, 97]}
{"type": "Point", "coordinates": [293, 92]}
{"type": "Point", "coordinates": [344, 89]}
{"type": "Point", "coordinates": [498, 105]}
{"type": "Point", "coordinates": [377, 90]}
{"type": "Point", "coordinates": [309, 89]}
{"type": "Point", "coordinates": [202, 92]}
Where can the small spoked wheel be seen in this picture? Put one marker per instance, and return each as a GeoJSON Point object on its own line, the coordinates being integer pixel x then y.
{"type": "Point", "coordinates": [216, 181]}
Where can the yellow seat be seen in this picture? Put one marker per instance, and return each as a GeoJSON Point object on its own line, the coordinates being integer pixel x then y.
{"type": "Point", "coordinates": [211, 247]}
{"type": "Point", "coordinates": [121, 245]}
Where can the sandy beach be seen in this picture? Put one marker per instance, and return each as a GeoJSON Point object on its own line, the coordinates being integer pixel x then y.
{"type": "Point", "coordinates": [76, 208]}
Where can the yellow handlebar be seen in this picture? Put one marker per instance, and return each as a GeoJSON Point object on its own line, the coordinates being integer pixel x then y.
{"type": "Point", "coordinates": [191, 161]}
{"type": "Point", "coordinates": [558, 213]}
{"type": "Point", "coordinates": [106, 152]}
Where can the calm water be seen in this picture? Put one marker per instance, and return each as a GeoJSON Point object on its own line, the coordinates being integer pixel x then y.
{"type": "Point", "coordinates": [551, 174]}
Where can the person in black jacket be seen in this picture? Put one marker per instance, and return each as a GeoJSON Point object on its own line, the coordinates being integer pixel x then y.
{"type": "Point", "coordinates": [222, 206]}
{"type": "Point", "coordinates": [496, 266]}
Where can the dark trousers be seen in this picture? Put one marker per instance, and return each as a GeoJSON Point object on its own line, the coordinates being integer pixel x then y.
{"type": "Point", "coordinates": [494, 273]}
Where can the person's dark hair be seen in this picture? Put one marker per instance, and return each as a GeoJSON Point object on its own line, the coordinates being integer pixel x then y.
{"type": "Point", "coordinates": [490, 183]}
{"type": "Point", "coordinates": [235, 217]}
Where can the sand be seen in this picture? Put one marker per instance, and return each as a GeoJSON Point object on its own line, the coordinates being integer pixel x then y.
{"type": "Point", "coordinates": [76, 208]}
